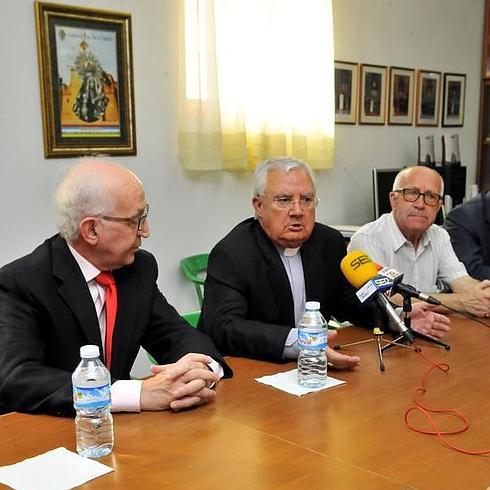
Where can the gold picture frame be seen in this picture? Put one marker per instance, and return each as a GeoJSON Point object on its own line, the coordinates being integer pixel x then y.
{"type": "Point", "coordinates": [86, 79]}
{"type": "Point", "coordinates": [372, 94]}
{"type": "Point", "coordinates": [400, 101]}
{"type": "Point", "coordinates": [428, 98]}
{"type": "Point", "coordinates": [346, 84]}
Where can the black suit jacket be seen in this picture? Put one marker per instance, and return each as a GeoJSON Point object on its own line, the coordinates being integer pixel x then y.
{"type": "Point", "coordinates": [248, 306]}
{"type": "Point", "coordinates": [47, 313]}
{"type": "Point", "coordinates": [469, 227]}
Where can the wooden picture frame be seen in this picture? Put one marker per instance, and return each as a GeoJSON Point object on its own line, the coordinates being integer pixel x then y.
{"type": "Point", "coordinates": [346, 84]}
{"type": "Point", "coordinates": [372, 98]}
{"type": "Point", "coordinates": [486, 44]}
{"type": "Point", "coordinates": [428, 98]}
{"type": "Point", "coordinates": [454, 86]}
{"type": "Point", "coordinates": [86, 78]}
{"type": "Point", "coordinates": [401, 96]}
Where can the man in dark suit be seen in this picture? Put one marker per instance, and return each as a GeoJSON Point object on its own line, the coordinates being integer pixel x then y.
{"type": "Point", "coordinates": [51, 305]}
{"type": "Point", "coordinates": [469, 228]}
{"type": "Point", "coordinates": [260, 275]}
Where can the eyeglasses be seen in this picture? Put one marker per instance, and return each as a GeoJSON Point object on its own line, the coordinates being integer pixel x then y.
{"type": "Point", "coordinates": [138, 221]}
{"type": "Point", "coordinates": [305, 202]}
{"type": "Point", "coordinates": [412, 194]}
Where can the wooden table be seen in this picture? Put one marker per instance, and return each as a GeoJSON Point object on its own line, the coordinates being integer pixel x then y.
{"type": "Point", "coordinates": [256, 437]}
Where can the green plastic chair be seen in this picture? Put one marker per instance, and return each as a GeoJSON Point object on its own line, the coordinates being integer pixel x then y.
{"type": "Point", "coordinates": [191, 318]}
{"type": "Point", "coordinates": [194, 268]}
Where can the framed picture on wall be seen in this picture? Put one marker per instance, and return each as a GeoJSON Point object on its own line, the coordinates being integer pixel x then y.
{"type": "Point", "coordinates": [372, 103]}
{"type": "Point", "coordinates": [86, 78]}
{"type": "Point", "coordinates": [400, 101]}
{"type": "Point", "coordinates": [346, 83]}
{"type": "Point", "coordinates": [428, 97]}
{"type": "Point", "coordinates": [453, 100]}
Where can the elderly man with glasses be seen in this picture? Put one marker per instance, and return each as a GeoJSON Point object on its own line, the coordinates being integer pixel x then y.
{"type": "Point", "coordinates": [92, 284]}
{"type": "Point", "coordinates": [408, 240]}
{"type": "Point", "coordinates": [260, 275]}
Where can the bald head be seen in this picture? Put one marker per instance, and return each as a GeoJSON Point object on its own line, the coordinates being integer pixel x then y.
{"type": "Point", "coordinates": [417, 172]}
{"type": "Point", "coordinates": [93, 187]}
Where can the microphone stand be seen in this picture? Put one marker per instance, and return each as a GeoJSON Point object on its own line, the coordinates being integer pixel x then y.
{"type": "Point", "coordinates": [407, 320]}
{"type": "Point", "coordinates": [401, 341]}
{"type": "Point", "coordinates": [407, 309]}
{"type": "Point", "coordinates": [378, 339]}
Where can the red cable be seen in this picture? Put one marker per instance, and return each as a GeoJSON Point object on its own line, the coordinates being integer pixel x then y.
{"type": "Point", "coordinates": [426, 411]}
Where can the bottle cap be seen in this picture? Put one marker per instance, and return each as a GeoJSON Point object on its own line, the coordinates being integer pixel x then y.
{"type": "Point", "coordinates": [312, 305]}
{"type": "Point", "coordinates": [89, 351]}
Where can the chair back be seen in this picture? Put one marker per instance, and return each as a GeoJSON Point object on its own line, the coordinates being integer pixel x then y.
{"type": "Point", "coordinates": [194, 268]}
{"type": "Point", "coordinates": [192, 318]}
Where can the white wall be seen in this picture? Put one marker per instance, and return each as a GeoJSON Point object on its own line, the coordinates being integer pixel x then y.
{"type": "Point", "coordinates": [191, 211]}
{"type": "Point", "coordinates": [439, 35]}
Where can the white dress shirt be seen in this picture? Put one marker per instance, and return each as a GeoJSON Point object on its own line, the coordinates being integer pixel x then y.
{"type": "Point", "coordinates": [431, 267]}
{"type": "Point", "coordinates": [125, 394]}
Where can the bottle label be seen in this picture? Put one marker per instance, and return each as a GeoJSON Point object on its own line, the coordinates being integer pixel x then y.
{"type": "Point", "coordinates": [312, 339]}
{"type": "Point", "coordinates": [93, 397]}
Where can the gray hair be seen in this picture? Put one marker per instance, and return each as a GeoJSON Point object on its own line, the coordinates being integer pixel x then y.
{"type": "Point", "coordinates": [400, 176]}
{"type": "Point", "coordinates": [284, 164]}
{"type": "Point", "coordinates": [80, 194]}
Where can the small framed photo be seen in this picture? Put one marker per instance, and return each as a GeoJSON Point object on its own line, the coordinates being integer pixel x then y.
{"type": "Point", "coordinates": [86, 78]}
{"type": "Point", "coordinates": [454, 95]}
{"type": "Point", "coordinates": [372, 106]}
{"type": "Point", "coordinates": [346, 83]}
{"type": "Point", "coordinates": [402, 90]}
{"type": "Point", "coordinates": [428, 97]}
{"type": "Point", "coordinates": [486, 44]}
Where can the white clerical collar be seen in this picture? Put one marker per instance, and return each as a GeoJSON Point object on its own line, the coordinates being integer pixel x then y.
{"type": "Point", "coordinates": [290, 252]}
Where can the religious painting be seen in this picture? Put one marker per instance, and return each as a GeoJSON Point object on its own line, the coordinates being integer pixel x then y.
{"type": "Point", "coordinates": [346, 81]}
{"type": "Point", "coordinates": [402, 89]}
{"type": "Point", "coordinates": [428, 97]}
{"type": "Point", "coordinates": [85, 67]}
{"type": "Point", "coordinates": [453, 100]}
{"type": "Point", "coordinates": [372, 106]}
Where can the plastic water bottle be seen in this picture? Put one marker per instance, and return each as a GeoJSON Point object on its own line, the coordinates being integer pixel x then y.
{"type": "Point", "coordinates": [312, 340]}
{"type": "Point", "coordinates": [92, 401]}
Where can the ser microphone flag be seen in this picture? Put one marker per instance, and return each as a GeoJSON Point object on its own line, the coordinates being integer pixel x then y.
{"type": "Point", "coordinates": [378, 284]}
{"type": "Point", "coordinates": [406, 290]}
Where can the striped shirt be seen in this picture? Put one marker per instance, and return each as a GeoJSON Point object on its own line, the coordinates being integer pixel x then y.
{"type": "Point", "coordinates": [431, 268]}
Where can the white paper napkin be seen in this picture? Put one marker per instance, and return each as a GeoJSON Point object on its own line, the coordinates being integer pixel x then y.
{"type": "Point", "coordinates": [58, 469]}
{"type": "Point", "coordinates": [288, 381]}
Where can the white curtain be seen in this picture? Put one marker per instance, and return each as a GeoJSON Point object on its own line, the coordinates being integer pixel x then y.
{"type": "Point", "coordinates": [256, 80]}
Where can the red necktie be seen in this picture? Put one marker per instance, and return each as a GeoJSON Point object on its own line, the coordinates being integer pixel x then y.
{"type": "Point", "coordinates": [106, 279]}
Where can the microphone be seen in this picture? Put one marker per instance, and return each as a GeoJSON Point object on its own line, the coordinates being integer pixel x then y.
{"type": "Point", "coordinates": [385, 305]}
{"type": "Point", "coordinates": [405, 289]}
{"type": "Point", "coordinates": [411, 292]}
{"type": "Point", "coordinates": [359, 269]}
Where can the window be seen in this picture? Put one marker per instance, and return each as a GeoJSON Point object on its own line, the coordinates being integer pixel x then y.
{"type": "Point", "coordinates": [258, 78]}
